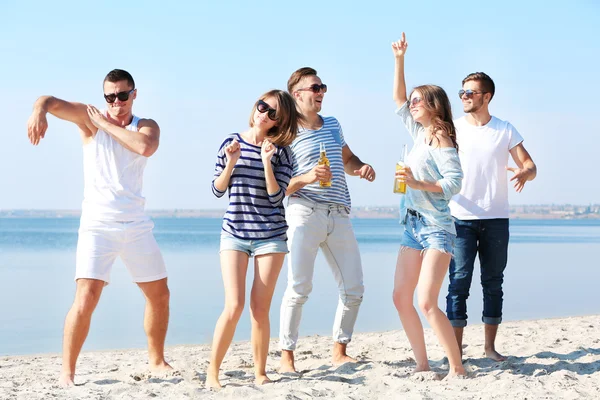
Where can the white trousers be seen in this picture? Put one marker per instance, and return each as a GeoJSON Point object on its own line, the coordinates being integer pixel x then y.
{"type": "Point", "coordinates": [313, 225]}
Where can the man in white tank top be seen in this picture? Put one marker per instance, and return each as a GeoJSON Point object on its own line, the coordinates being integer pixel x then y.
{"type": "Point", "coordinates": [116, 146]}
{"type": "Point", "coordinates": [480, 210]}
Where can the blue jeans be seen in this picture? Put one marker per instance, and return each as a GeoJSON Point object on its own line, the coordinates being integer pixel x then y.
{"type": "Point", "coordinates": [489, 238]}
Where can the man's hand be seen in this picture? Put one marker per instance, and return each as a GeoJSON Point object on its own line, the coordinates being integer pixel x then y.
{"type": "Point", "coordinates": [399, 47]}
{"type": "Point", "coordinates": [521, 176]}
{"type": "Point", "coordinates": [233, 152]}
{"type": "Point", "coordinates": [267, 150]}
{"type": "Point", "coordinates": [97, 118]}
{"type": "Point", "coordinates": [319, 173]}
{"type": "Point", "coordinates": [367, 172]}
{"type": "Point", "coordinates": [37, 124]}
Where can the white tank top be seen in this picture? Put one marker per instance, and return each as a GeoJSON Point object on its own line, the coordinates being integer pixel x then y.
{"type": "Point", "coordinates": [113, 178]}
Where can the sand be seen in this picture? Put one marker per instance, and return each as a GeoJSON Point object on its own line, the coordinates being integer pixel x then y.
{"type": "Point", "coordinates": [548, 359]}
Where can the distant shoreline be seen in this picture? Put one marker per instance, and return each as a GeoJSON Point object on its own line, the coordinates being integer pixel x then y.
{"type": "Point", "coordinates": [546, 212]}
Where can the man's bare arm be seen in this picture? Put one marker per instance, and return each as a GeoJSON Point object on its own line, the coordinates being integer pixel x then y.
{"type": "Point", "coordinates": [65, 110]}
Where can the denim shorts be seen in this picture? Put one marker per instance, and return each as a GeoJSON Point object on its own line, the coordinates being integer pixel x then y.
{"type": "Point", "coordinates": [421, 234]}
{"type": "Point", "coordinates": [252, 247]}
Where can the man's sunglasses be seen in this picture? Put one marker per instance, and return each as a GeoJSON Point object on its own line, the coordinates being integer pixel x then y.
{"type": "Point", "coordinates": [122, 96]}
{"type": "Point", "coordinates": [316, 88]}
{"type": "Point", "coordinates": [263, 107]}
{"type": "Point", "coordinates": [469, 93]}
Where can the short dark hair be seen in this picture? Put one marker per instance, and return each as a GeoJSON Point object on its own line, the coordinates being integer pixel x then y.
{"type": "Point", "coordinates": [487, 84]}
{"type": "Point", "coordinates": [117, 75]}
{"type": "Point", "coordinates": [298, 75]}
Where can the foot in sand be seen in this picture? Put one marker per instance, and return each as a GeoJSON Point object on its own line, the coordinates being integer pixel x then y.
{"type": "Point", "coordinates": [161, 367]}
{"type": "Point", "coordinates": [339, 355]}
{"type": "Point", "coordinates": [458, 372]}
{"type": "Point", "coordinates": [494, 355]}
{"type": "Point", "coordinates": [287, 362]}
{"type": "Point", "coordinates": [66, 380]}
{"type": "Point", "coordinates": [262, 380]}
{"type": "Point", "coordinates": [421, 368]}
{"type": "Point", "coordinates": [212, 382]}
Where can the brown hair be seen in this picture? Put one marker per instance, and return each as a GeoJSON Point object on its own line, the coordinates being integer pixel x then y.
{"type": "Point", "coordinates": [287, 116]}
{"type": "Point", "coordinates": [487, 84]}
{"type": "Point", "coordinates": [298, 75]}
{"type": "Point", "coordinates": [435, 100]}
{"type": "Point", "coordinates": [117, 75]}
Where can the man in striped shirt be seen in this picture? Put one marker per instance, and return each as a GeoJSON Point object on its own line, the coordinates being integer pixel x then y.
{"type": "Point", "coordinates": [318, 217]}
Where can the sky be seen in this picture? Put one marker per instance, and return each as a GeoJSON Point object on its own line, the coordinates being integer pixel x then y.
{"type": "Point", "coordinates": [200, 67]}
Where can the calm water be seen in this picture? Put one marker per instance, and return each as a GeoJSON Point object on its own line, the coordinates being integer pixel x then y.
{"type": "Point", "coordinates": [553, 271]}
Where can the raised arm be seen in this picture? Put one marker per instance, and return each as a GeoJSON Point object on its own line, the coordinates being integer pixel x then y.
{"type": "Point", "coordinates": [37, 124]}
{"type": "Point", "coordinates": [399, 49]}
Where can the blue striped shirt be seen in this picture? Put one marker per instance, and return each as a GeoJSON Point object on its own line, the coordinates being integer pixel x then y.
{"type": "Point", "coordinates": [253, 213]}
{"type": "Point", "coordinates": [306, 155]}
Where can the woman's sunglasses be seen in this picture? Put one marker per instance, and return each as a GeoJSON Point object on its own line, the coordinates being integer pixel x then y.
{"type": "Point", "coordinates": [263, 107]}
{"type": "Point", "coordinates": [469, 93]}
{"type": "Point", "coordinates": [122, 96]}
{"type": "Point", "coordinates": [316, 88]}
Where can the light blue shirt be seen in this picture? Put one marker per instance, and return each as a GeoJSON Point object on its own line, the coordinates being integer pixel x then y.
{"type": "Point", "coordinates": [430, 164]}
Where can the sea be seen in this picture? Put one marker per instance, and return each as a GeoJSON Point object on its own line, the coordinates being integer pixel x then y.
{"type": "Point", "coordinates": [553, 271]}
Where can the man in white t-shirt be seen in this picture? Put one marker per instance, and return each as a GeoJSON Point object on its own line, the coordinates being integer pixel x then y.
{"type": "Point", "coordinates": [116, 147]}
{"type": "Point", "coordinates": [480, 210]}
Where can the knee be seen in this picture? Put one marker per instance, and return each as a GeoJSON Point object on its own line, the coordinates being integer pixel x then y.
{"type": "Point", "coordinates": [233, 310]}
{"type": "Point", "coordinates": [259, 310]}
{"type": "Point", "coordinates": [428, 306]}
{"type": "Point", "coordinates": [161, 298]}
{"type": "Point", "coordinates": [86, 302]}
{"type": "Point", "coordinates": [402, 301]}
{"type": "Point", "coordinates": [351, 300]}
{"type": "Point", "coordinates": [298, 294]}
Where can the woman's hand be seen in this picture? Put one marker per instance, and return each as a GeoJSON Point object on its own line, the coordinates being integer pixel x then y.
{"type": "Point", "coordinates": [405, 174]}
{"type": "Point", "coordinates": [233, 152]}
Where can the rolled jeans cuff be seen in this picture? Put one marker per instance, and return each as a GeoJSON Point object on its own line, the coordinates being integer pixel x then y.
{"type": "Point", "coordinates": [458, 323]}
{"type": "Point", "coordinates": [491, 321]}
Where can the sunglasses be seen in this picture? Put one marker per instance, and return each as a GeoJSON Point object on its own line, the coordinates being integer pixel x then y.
{"type": "Point", "coordinates": [469, 93]}
{"type": "Point", "coordinates": [316, 88]}
{"type": "Point", "coordinates": [263, 107]}
{"type": "Point", "coordinates": [122, 96]}
{"type": "Point", "coordinates": [414, 102]}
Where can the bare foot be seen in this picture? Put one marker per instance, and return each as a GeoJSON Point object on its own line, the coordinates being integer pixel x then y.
{"type": "Point", "coordinates": [66, 380]}
{"type": "Point", "coordinates": [342, 359]}
{"type": "Point", "coordinates": [421, 368]}
{"type": "Point", "coordinates": [287, 362]}
{"type": "Point", "coordinates": [457, 372]}
{"type": "Point", "coordinates": [262, 380]}
{"type": "Point", "coordinates": [339, 355]}
{"type": "Point", "coordinates": [161, 367]}
{"type": "Point", "coordinates": [494, 355]}
{"type": "Point", "coordinates": [212, 382]}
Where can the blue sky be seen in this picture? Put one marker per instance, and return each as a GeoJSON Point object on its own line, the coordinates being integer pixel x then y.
{"type": "Point", "coordinates": [200, 67]}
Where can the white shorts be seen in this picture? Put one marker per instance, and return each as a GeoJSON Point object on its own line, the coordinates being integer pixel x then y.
{"type": "Point", "coordinates": [101, 242]}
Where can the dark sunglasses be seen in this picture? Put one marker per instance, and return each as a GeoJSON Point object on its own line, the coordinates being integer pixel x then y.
{"type": "Point", "coordinates": [469, 93]}
{"type": "Point", "coordinates": [316, 88]}
{"type": "Point", "coordinates": [122, 96]}
{"type": "Point", "coordinates": [263, 107]}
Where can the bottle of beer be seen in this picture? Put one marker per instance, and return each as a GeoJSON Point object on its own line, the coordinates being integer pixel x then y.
{"type": "Point", "coordinates": [400, 187]}
{"type": "Point", "coordinates": [323, 160]}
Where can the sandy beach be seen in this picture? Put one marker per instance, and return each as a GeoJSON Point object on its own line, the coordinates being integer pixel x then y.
{"type": "Point", "coordinates": [548, 359]}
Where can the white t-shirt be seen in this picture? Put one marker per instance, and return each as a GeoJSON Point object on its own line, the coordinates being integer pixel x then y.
{"type": "Point", "coordinates": [483, 153]}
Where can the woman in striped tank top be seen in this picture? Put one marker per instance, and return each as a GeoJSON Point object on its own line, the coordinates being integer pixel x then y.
{"type": "Point", "coordinates": [255, 167]}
